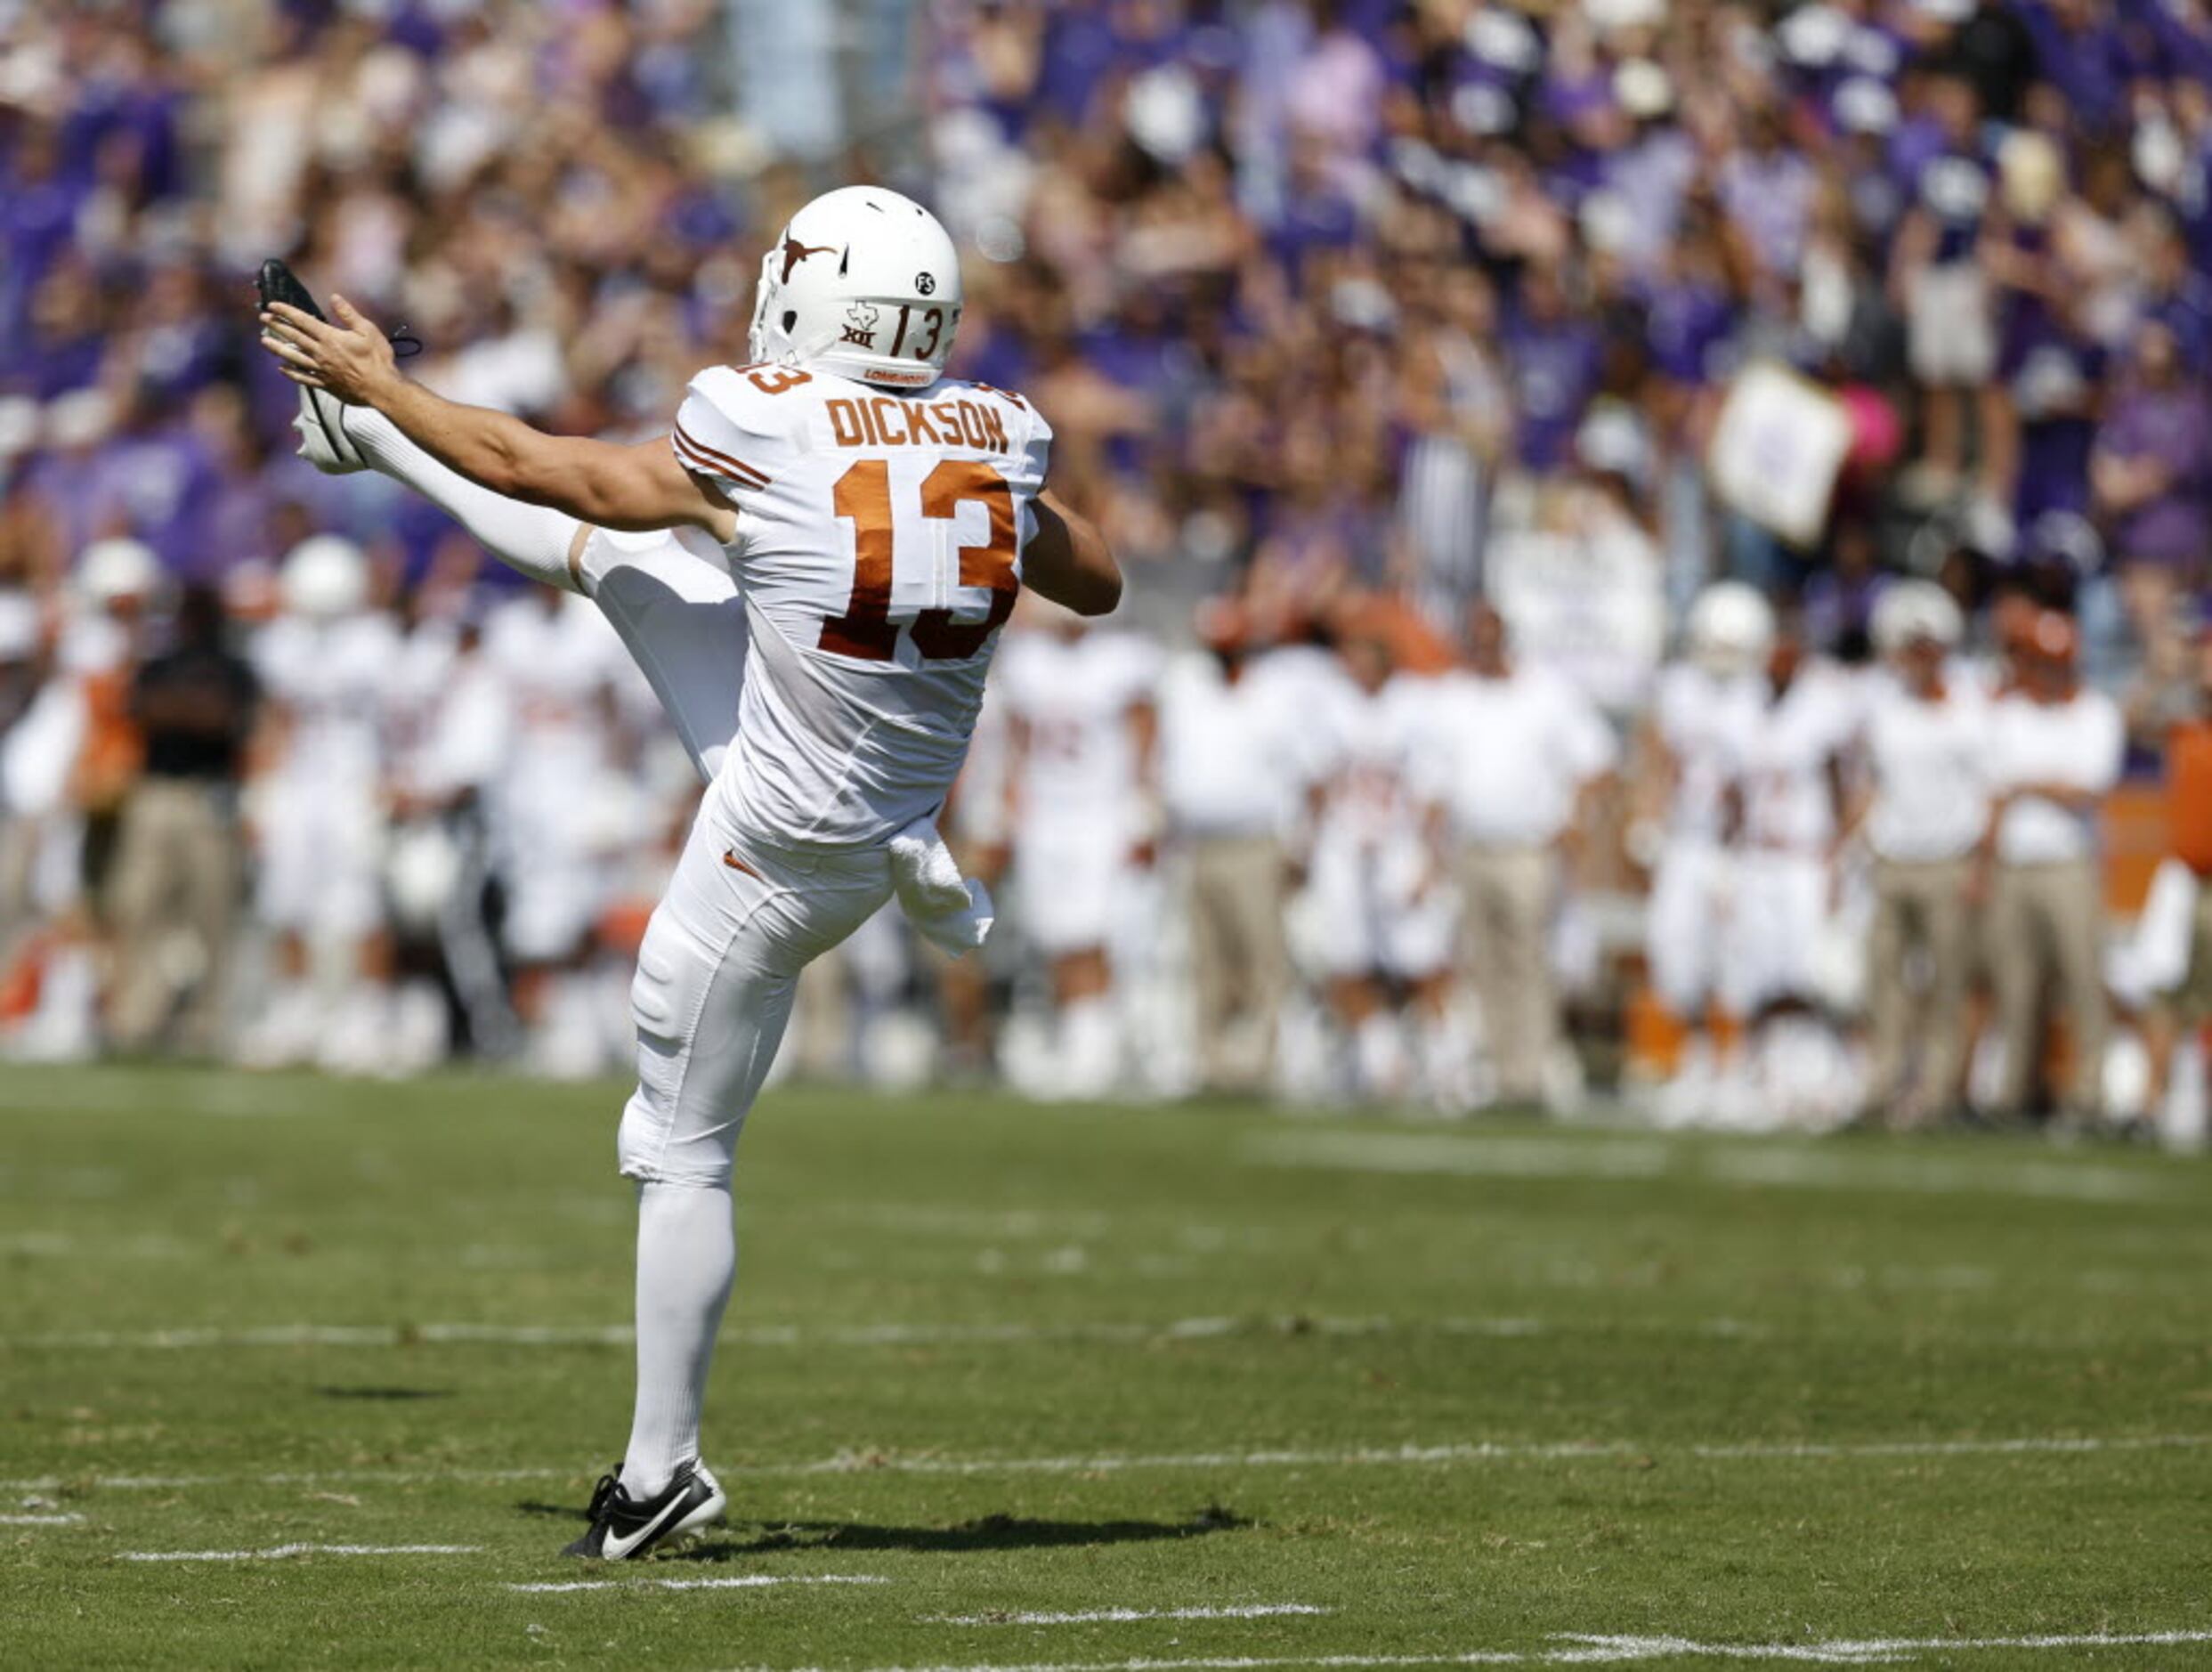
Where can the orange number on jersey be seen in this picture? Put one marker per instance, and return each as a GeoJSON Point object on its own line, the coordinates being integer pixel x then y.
{"type": "Point", "coordinates": [776, 380]}
{"type": "Point", "coordinates": [866, 631]}
{"type": "Point", "coordinates": [936, 635]}
{"type": "Point", "coordinates": [864, 494]}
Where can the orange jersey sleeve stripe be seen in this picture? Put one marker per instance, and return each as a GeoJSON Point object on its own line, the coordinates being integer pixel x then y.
{"type": "Point", "coordinates": [717, 464]}
{"type": "Point", "coordinates": [713, 464]}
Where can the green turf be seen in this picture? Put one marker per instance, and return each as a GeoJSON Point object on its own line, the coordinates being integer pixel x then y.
{"type": "Point", "coordinates": [1652, 1388]}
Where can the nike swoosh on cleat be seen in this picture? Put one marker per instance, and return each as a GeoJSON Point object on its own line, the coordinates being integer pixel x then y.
{"type": "Point", "coordinates": [617, 1545]}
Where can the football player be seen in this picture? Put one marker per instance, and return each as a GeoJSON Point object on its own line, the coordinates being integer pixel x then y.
{"type": "Point", "coordinates": [1378, 916]}
{"type": "Point", "coordinates": [327, 663]}
{"type": "Point", "coordinates": [1083, 816]}
{"type": "Point", "coordinates": [877, 521]}
{"type": "Point", "coordinates": [1704, 708]}
{"type": "Point", "coordinates": [1784, 803]}
{"type": "Point", "coordinates": [553, 653]}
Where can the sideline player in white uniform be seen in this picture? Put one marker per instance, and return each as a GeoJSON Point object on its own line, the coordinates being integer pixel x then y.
{"type": "Point", "coordinates": [548, 834]}
{"type": "Point", "coordinates": [1083, 816]}
{"type": "Point", "coordinates": [1786, 801]}
{"type": "Point", "coordinates": [451, 735]}
{"type": "Point", "coordinates": [1376, 913]}
{"type": "Point", "coordinates": [327, 662]}
{"type": "Point", "coordinates": [879, 522]}
{"type": "Point", "coordinates": [1705, 705]}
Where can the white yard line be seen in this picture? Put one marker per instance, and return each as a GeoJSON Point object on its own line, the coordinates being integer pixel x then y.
{"type": "Point", "coordinates": [733, 1582]}
{"type": "Point", "coordinates": [887, 1334]}
{"type": "Point", "coordinates": [40, 1521]}
{"type": "Point", "coordinates": [1607, 1651]}
{"type": "Point", "coordinates": [1765, 1165]}
{"type": "Point", "coordinates": [329, 1336]}
{"type": "Point", "coordinates": [1101, 1616]}
{"type": "Point", "coordinates": [1445, 1455]}
{"type": "Point", "coordinates": [1104, 1332]}
{"type": "Point", "coordinates": [277, 1553]}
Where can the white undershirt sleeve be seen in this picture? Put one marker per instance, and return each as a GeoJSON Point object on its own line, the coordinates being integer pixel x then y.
{"type": "Point", "coordinates": [530, 538]}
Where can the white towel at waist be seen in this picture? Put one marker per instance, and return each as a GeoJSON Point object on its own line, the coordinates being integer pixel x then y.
{"type": "Point", "coordinates": [951, 911]}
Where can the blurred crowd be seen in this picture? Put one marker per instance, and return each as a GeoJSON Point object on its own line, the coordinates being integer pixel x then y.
{"type": "Point", "coordinates": [1429, 363]}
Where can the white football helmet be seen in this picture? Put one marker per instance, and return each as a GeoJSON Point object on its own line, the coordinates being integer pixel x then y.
{"type": "Point", "coordinates": [109, 570]}
{"type": "Point", "coordinates": [324, 577]}
{"type": "Point", "coordinates": [1731, 627]}
{"type": "Point", "coordinates": [864, 284]}
{"type": "Point", "coordinates": [1909, 611]}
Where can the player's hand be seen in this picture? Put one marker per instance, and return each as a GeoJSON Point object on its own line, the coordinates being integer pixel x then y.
{"type": "Point", "coordinates": [347, 356]}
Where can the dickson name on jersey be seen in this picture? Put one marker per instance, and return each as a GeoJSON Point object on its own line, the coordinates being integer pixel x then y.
{"type": "Point", "coordinates": [879, 549]}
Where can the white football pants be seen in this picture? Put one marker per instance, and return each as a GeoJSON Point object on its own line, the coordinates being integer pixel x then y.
{"type": "Point", "coordinates": [678, 612]}
{"type": "Point", "coordinates": [716, 977]}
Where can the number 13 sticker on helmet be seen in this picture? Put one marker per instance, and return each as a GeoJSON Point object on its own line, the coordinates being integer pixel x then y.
{"type": "Point", "coordinates": [864, 283]}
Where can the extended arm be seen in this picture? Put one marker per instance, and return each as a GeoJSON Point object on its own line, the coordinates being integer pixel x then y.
{"type": "Point", "coordinates": [1066, 560]}
{"type": "Point", "coordinates": [598, 482]}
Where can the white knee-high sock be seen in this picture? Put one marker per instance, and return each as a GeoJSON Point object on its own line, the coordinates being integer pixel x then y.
{"type": "Point", "coordinates": [528, 537]}
{"type": "Point", "coordinates": [687, 1260]}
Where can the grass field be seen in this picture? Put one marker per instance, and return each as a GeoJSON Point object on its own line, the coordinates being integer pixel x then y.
{"type": "Point", "coordinates": [1011, 1387]}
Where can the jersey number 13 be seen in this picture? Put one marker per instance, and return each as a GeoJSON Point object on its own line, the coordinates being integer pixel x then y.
{"type": "Point", "coordinates": [866, 631]}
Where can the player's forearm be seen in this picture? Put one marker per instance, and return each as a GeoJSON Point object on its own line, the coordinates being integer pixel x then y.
{"type": "Point", "coordinates": [1067, 561]}
{"type": "Point", "coordinates": [492, 450]}
{"type": "Point", "coordinates": [594, 482]}
{"type": "Point", "coordinates": [601, 483]}
{"type": "Point", "coordinates": [536, 540]}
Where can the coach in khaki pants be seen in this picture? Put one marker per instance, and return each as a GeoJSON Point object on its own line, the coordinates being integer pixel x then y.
{"type": "Point", "coordinates": [1510, 750]}
{"type": "Point", "coordinates": [2056, 752]}
{"type": "Point", "coordinates": [1229, 784]}
{"type": "Point", "coordinates": [1921, 816]}
{"type": "Point", "coordinates": [173, 891]}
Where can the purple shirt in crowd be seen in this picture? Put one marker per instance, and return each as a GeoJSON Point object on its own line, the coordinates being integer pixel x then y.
{"type": "Point", "coordinates": [1554, 369]}
{"type": "Point", "coordinates": [2174, 427]}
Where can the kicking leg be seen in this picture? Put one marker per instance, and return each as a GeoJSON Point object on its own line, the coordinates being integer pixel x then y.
{"type": "Point", "coordinates": [667, 594]}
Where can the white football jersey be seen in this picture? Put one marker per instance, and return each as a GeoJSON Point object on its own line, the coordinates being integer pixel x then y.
{"type": "Point", "coordinates": [335, 679]}
{"type": "Point", "coordinates": [1783, 766]}
{"type": "Point", "coordinates": [420, 672]}
{"type": "Point", "coordinates": [557, 656]}
{"type": "Point", "coordinates": [1073, 700]}
{"type": "Point", "coordinates": [878, 552]}
{"type": "Point", "coordinates": [1367, 749]}
{"type": "Point", "coordinates": [1705, 722]}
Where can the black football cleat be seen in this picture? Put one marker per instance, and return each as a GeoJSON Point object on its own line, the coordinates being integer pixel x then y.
{"type": "Point", "coordinates": [321, 422]}
{"type": "Point", "coordinates": [623, 1530]}
{"type": "Point", "coordinates": [277, 282]}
